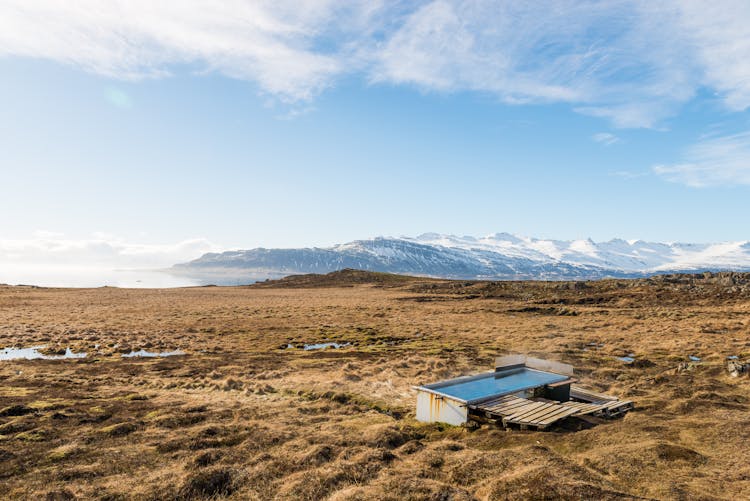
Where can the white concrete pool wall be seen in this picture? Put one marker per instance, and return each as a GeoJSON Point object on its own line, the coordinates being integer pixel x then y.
{"type": "Point", "coordinates": [538, 364]}
{"type": "Point", "coordinates": [435, 408]}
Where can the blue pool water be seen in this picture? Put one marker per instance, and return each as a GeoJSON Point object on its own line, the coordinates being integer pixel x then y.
{"type": "Point", "coordinates": [499, 384]}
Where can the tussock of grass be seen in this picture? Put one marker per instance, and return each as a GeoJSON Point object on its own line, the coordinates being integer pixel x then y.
{"type": "Point", "coordinates": [210, 483]}
{"type": "Point", "coordinates": [63, 452]}
{"type": "Point", "coordinates": [119, 429]}
{"type": "Point", "coordinates": [33, 436]}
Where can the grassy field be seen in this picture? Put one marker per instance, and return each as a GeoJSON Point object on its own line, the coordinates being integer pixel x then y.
{"type": "Point", "coordinates": [244, 416]}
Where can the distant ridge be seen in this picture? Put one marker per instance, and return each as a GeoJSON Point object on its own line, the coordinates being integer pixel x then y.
{"type": "Point", "coordinates": [501, 256]}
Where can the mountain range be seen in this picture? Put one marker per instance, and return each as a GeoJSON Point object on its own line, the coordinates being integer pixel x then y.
{"type": "Point", "coordinates": [501, 256]}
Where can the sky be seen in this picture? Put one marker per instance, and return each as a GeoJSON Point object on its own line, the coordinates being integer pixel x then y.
{"type": "Point", "coordinates": [143, 133]}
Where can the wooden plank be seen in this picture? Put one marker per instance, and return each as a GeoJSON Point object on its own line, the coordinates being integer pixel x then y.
{"type": "Point", "coordinates": [549, 408]}
{"type": "Point", "coordinates": [506, 412]}
{"type": "Point", "coordinates": [574, 405]}
{"type": "Point", "coordinates": [587, 409]}
{"type": "Point", "coordinates": [499, 401]}
{"type": "Point", "coordinates": [551, 419]}
{"type": "Point", "coordinates": [562, 412]}
{"type": "Point", "coordinates": [509, 406]}
{"type": "Point", "coordinates": [584, 394]}
{"type": "Point", "coordinates": [583, 408]}
{"type": "Point", "coordinates": [527, 410]}
{"type": "Point", "coordinates": [580, 404]}
{"type": "Point", "coordinates": [615, 405]}
{"type": "Point", "coordinates": [552, 416]}
{"type": "Point", "coordinates": [503, 403]}
{"type": "Point", "coordinates": [548, 411]}
{"type": "Point", "coordinates": [627, 403]}
{"type": "Point", "coordinates": [499, 408]}
{"type": "Point", "coordinates": [523, 409]}
{"type": "Point", "coordinates": [562, 383]}
{"type": "Point", "coordinates": [526, 417]}
{"type": "Point", "coordinates": [544, 421]}
{"type": "Point", "coordinates": [616, 410]}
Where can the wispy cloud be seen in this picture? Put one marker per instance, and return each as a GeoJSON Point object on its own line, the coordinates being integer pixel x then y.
{"type": "Point", "coordinates": [631, 62]}
{"type": "Point", "coordinates": [273, 43]}
{"type": "Point", "coordinates": [712, 162]}
{"type": "Point", "coordinates": [627, 174]}
{"type": "Point", "coordinates": [605, 138]}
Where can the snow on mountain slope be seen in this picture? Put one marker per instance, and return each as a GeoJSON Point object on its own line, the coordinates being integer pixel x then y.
{"type": "Point", "coordinates": [498, 256]}
{"type": "Point", "coordinates": [627, 256]}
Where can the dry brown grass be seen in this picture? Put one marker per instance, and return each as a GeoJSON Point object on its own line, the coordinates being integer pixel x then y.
{"type": "Point", "coordinates": [242, 417]}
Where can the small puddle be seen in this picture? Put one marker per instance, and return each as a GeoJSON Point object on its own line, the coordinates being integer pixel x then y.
{"type": "Point", "coordinates": [732, 357]}
{"type": "Point", "coordinates": [148, 354]}
{"type": "Point", "coordinates": [627, 360]}
{"type": "Point", "coordinates": [34, 354]}
{"type": "Point", "coordinates": [323, 346]}
{"type": "Point", "coordinates": [694, 358]}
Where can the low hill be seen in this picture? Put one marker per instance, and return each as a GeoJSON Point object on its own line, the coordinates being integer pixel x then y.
{"type": "Point", "coordinates": [347, 277]}
{"type": "Point", "coordinates": [707, 288]}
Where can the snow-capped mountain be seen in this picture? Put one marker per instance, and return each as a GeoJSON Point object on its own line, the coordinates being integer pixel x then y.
{"type": "Point", "coordinates": [498, 256]}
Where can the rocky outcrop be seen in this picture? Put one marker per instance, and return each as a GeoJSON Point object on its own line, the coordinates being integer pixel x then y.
{"type": "Point", "coordinates": [737, 368]}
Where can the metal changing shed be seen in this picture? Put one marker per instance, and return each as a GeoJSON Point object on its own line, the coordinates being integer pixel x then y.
{"type": "Point", "coordinates": [521, 390]}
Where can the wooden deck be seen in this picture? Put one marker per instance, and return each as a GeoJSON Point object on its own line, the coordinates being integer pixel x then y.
{"type": "Point", "coordinates": [525, 413]}
{"type": "Point", "coordinates": [591, 402]}
{"type": "Point", "coordinates": [539, 413]}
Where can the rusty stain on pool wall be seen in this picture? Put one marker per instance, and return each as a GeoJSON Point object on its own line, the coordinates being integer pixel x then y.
{"type": "Point", "coordinates": [435, 406]}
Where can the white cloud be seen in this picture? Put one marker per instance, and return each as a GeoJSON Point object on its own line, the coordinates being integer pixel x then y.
{"type": "Point", "coordinates": [605, 138]}
{"type": "Point", "coordinates": [712, 162]}
{"type": "Point", "coordinates": [632, 62]}
{"type": "Point", "coordinates": [100, 251]}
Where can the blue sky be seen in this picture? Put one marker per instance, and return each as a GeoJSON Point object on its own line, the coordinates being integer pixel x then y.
{"type": "Point", "coordinates": [210, 125]}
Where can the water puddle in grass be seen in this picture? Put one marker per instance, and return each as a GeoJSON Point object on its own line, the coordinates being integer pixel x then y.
{"type": "Point", "coordinates": [148, 354]}
{"type": "Point", "coordinates": [732, 357]}
{"type": "Point", "coordinates": [694, 358]}
{"type": "Point", "coordinates": [34, 354]}
{"type": "Point", "coordinates": [627, 360]}
{"type": "Point", "coordinates": [323, 346]}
